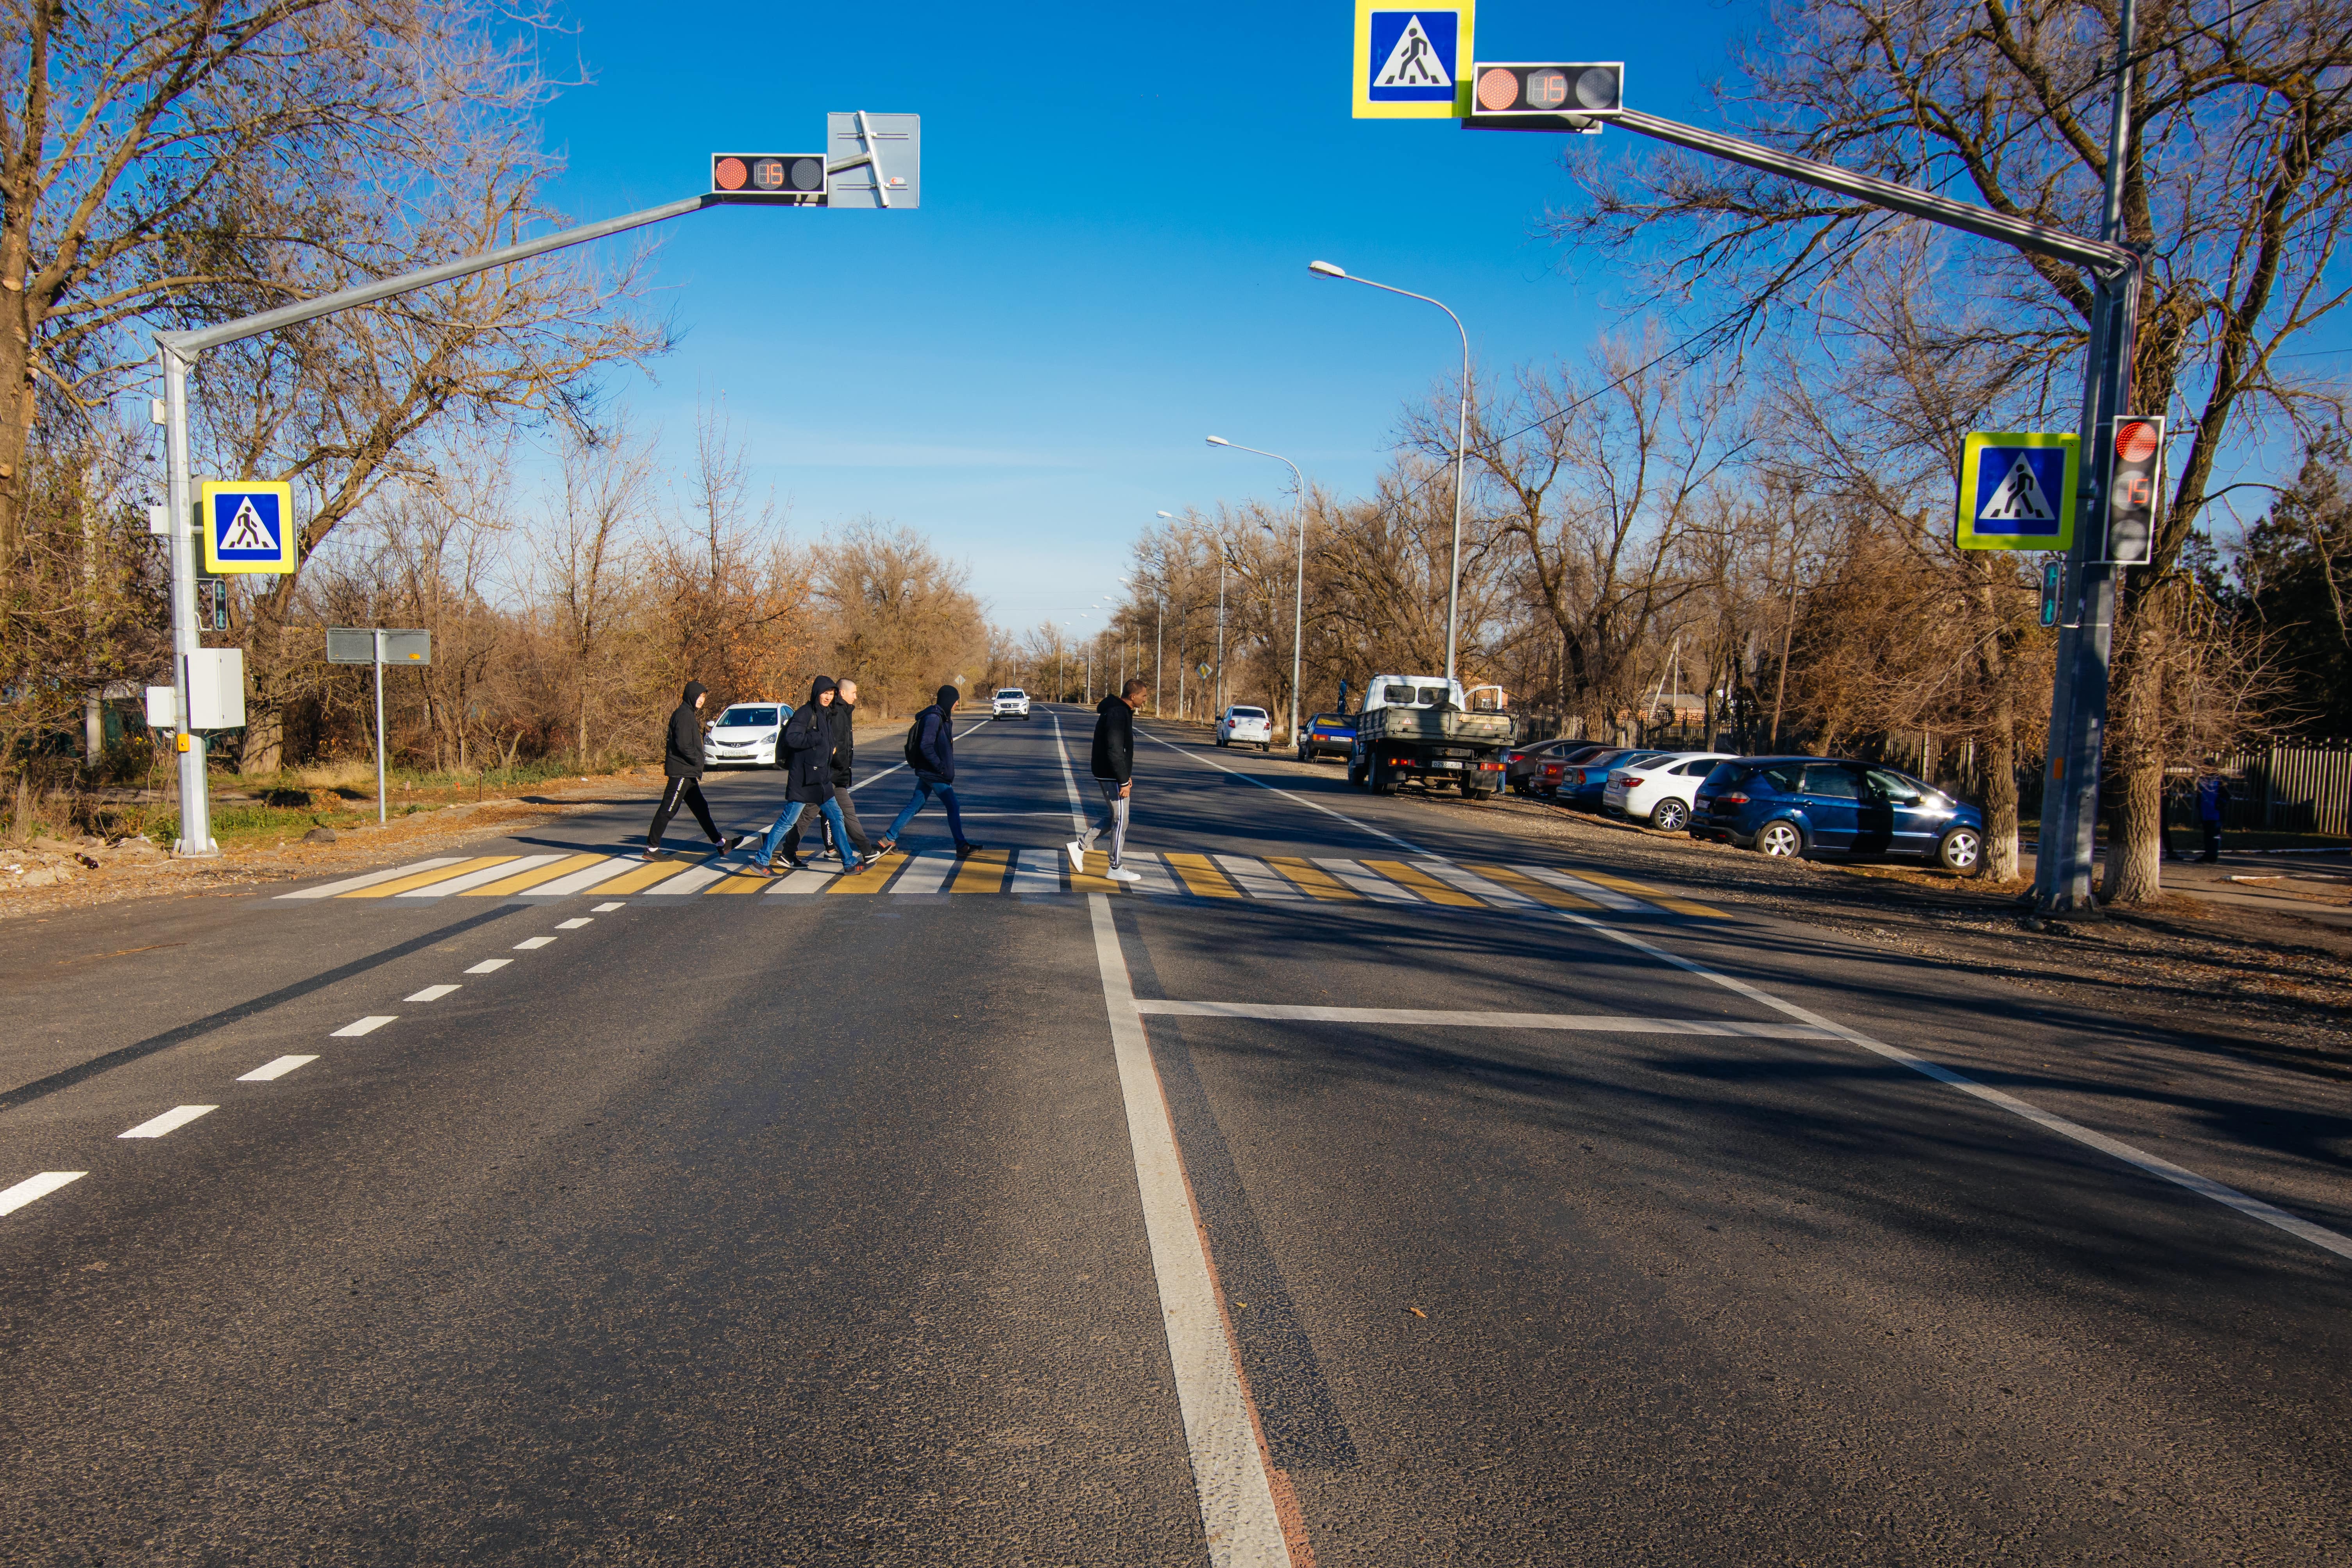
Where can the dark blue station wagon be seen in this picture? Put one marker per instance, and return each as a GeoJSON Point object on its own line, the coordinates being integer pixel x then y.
{"type": "Point", "coordinates": [1791, 807]}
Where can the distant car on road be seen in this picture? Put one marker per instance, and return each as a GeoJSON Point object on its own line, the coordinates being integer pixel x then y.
{"type": "Point", "coordinates": [1011, 703]}
{"type": "Point", "coordinates": [744, 736]}
{"type": "Point", "coordinates": [1582, 784]}
{"type": "Point", "coordinates": [1523, 766]}
{"type": "Point", "coordinates": [1326, 735]}
{"type": "Point", "coordinates": [1794, 806]}
{"type": "Point", "coordinates": [1246, 727]}
{"type": "Point", "coordinates": [1659, 793]}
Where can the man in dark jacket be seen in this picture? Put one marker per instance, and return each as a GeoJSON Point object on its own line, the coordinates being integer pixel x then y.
{"type": "Point", "coordinates": [1113, 774]}
{"type": "Point", "coordinates": [808, 774]}
{"type": "Point", "coordinates": [933, 757]}
{"type": "Point", "coordinates": [681, 770]}
{"type": "Point", "coordinates": [844, 756]}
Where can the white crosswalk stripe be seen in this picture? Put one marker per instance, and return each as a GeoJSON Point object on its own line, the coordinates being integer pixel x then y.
{"type": "Point", "coordinates": [1256, 879]}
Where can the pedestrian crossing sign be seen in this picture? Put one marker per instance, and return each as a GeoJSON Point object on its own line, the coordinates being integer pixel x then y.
{"type": "Point", "coordinates": [1413, 62]}
{"type": "Point", "coordinates": [2017, 491]}
{"type": "Point", "coordinates": [249, 526]}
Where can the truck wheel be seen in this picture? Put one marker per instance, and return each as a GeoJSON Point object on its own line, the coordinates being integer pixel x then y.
{"type": "Point", "coordinates": [1384, 782]}
{"type": "Point", "coordinates": [1355, 773]}
{"type": "Point", "coordinates": [1783, 840]}
{"type": "Point", "coordinates": [1265, 745]}
{"type": "Point", "coordinates": [1670, 815]}
{"type": "Point", "coordinates": [1963, 850]}
{"type": "Point", "coordinates": [1470, 794]}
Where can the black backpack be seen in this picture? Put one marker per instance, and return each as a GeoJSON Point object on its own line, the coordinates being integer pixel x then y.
{"type": "Point", "coordinates": [915, 758]}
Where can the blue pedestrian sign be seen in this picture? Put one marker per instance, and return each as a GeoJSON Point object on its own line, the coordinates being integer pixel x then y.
{"type": "Point", "coordinates": [1413, 62]}
{"type": "Point", "coordinates": [249, 526]}
{"type": "Point", "coordinates": [2017, 491]}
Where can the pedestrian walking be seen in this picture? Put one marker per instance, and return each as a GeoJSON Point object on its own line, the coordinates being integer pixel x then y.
{"type": "Point", "coordinates": [2212, 800]}
{"type": "Point", "coordinates": [682, 773]}
{"type": "Point", "coordinates": [1114, 775]}
{"type": "Point", "coordinates": [808, 777]}
{"type": "Point", "coordinates": [845, 756]}
{"type": "Point", "coordinates": [930, 752]}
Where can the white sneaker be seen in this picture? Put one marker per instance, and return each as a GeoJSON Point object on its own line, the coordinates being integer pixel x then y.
{"type": "Point", "coordinates": [1121, 874]}
{"type": "Point", "coordinates": [1077, 854]}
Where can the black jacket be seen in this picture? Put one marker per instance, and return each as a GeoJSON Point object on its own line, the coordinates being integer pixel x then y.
{"type": "Point", "coordinates": [1114, 739]}
{"type": "Point", "coordinates": [682, 756]}
{"type": "Point", "coordinates": [845, 743]}
{"type": "Point", "coordinates": [808, 738]}
{"type": "Point", "coordinates": [935, 741]}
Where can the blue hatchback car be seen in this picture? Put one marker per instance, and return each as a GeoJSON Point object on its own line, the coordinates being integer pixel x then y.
{"type": "Point", "coordinates": [1791, 807]}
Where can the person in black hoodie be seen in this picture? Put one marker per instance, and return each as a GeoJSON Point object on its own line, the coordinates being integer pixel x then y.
{"type": "Point", "coordinates": [933, 756]}
{"type": "Point", "coordinates": [1114, 773]}
{"type": "Point", "coordinates": [681, 770]}
{"type": "Point", "coordinates": [808, 774]}
{"type": "Point", "coordinates": [845, 757]}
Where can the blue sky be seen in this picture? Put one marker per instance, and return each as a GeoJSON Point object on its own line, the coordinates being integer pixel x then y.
{"type": "Point", "coordinates": [1111, 258]}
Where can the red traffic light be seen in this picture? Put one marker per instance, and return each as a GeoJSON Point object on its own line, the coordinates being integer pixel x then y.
{"type": "Point", "coordinates": [2135, 441]}
{"type": "Point", "coordinates": [1530, 95]}
{"type": "Point", "coordinates": [788, 179]}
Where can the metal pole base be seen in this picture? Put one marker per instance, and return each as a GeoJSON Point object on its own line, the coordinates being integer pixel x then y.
{"type": "Point", "coordinates": [180, 851]}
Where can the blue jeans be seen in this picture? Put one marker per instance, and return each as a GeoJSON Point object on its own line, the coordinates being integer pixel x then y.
{"type": "Point", "coordinates": [927, 786]}
{"type": "Point", "coordinates": [832, 810]}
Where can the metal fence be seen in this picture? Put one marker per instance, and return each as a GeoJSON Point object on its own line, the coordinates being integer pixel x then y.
{"type": "Point", "coordinates": [2290, 789]}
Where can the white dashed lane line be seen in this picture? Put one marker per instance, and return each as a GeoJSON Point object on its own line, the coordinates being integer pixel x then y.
{"type": "Point", "coordinates": [607, 909]}
{"type": "Point", "coordinates": [529, 943]}
{"type": "Point", "coordinates": [31, 1187]}
{"type": "Point", "coordinates": [490, 966]}
{"type": "Point", "coordinates": [432, 993]}
{"type": "Point", "coordinates": [275, 1069]}
{"type": "Point", "coordinates": [575, 923]}
{"type": "Point", "coordinates": [177, 1116]}
{"type": "Point", "coordinates": [367, 1026]}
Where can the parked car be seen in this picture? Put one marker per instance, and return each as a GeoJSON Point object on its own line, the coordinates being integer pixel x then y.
{"type": "Point", "coordinates": [1011, 703]}
{"type": "Point", "coordinates": [1659, 793]}
{"type": "Point", "coordinates": [1522, 764]}
{"type": "Point", "coordinates": [1326, 735]}
{"type": "Point", "coordinates": [744, 735]}
{"type": "Point", "coordinates": [1582, 784]}
{"type": "Point", "coordinates": [1791, 806]}
{"type": "Point", "coordinates": [1246, 727]}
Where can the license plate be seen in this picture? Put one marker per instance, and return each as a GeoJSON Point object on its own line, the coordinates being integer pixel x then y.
{"type": "Point", "coordinates": [1455, 767]}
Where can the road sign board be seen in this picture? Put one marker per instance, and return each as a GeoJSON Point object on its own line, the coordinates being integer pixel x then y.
{"type": "Point", "coordinates": [769, 179]}
{"type": "Point", "coordinates": [249, 526]}
{"type": "Point", "coordinates": [2017, 491]}
{"type": "Point", "coordinates": [1413, 62]}
{"type": "Point", "coordinates": [873, 162]}
{"type": "Point", "coordinates": [2134, 452]}
{"type": "Point", "coordinates": [356, 645]}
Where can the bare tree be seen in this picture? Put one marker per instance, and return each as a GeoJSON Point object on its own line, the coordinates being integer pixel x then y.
{"type": "Point", "coordinates": [582, 563]}
{"type": "Point", "coordinates": [902, 618]}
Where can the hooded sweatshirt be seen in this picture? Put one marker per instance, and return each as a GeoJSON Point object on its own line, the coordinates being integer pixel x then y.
{"type": "Point", "coordinates": [1114, 739]}
{"type": "Point", "coordinates": [936, 739]}
{"type": "Point", "coordinates": [808, 737]}
{"type": "Point", "coordinates": [682, 756]}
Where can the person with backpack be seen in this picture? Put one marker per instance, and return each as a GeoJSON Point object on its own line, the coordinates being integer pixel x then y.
{"type": "Point", "coordinates": [2212, 802]}
{"type": "Point", "coordinates": [808, 777]}
{"type": "Point", "coordinates": [845, 756]}
{"type": "Point", "coordinates": [682, 767]}
{"type": "Point", "coordinates": [1114, 775]}
{"type": "Point", "coordinates": [930, 752]}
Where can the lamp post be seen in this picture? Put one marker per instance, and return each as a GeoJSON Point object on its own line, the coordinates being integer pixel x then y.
{"type": "Point", "coordinates": [1461, 441]}
{"type": "Point", "coordinates": [1299, 584]}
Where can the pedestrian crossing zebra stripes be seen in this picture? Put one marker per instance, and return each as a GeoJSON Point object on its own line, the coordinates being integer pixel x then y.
{"type": "Point", "coordinates": [1419, 882]}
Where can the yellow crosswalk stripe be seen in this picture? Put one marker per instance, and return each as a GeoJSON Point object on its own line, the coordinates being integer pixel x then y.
{"type": "Point", "coordinates": [1201, 876]}
{"type": "Point", "coordinates": [742, 881]}
{"type": "Point", "coordinates": [1643, 890]}
{"type": "Point", "coordinates": [533, 878]}
{"type": "Point", "coordinates": [1420, 882]}
{"type": "Point", "coordinates": [643, 876]}
{"type": "Point", "coordinates": [874, 877]}
{"type": "Point", "coordinates": [983, 872]}
{"type": "Point", "coordinates": [1542, 892]}
{"type": "Point", "coordinates": [1315, 883]}
{"type": "Point", "coordinates": [426, 879]}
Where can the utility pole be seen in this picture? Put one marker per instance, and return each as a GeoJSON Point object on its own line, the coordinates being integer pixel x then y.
{"type": "Point", "coordinates": [1159, 654]}
{"type": "Point", "coordinates": [1221, 628]}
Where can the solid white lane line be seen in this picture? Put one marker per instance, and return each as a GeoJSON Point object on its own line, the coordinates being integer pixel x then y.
{"type": "Point", "coordinates": [607, 909]}
{"type": "Point", "coordinates": [692, 880]}
{"type": "Point", "coordinates": [529, 943]}
{"type": "Point", "coordinates": [32, 1187]}
{"type": "Point", "coordinates": [178, 1116]}
{"type": "Point", "coordinates": [1257, 878]}
{"type": "Point", "coordinates": [925, 872]}
{"type": "Point", "coordinates": [1477, 887]}
{"type": "Point", "coordinates": [2116, 1148]}
{"type": "Point", "coordinates": [1593, 892]}
{"type": "Point", "coordinates": [1583, 1023]}
{"type": "Point", "coordinates": [575, 923]}
{"type": "Point", "coordinates": [587, 877]}
{"type": "Point", "coordinates": [1037, 871]}
{"type": "Point", "coordinates": [1229, 1470]}
{"type": "Point", "coordinates": [1371, 884]}
{"type": "Point", "coordinates": [279, 1069]}
{"type": "Point", "coordinates": [351, 884]}
{"type": "Point", "coordinates": [1405, 844]}
{"type": "Point", "coordinates": [367, 1026]}
{"type": "Point", "coordinates": [430, 994]}
{"type": "Point", "coordinates": [1069, 783]}
{"type": "Point", "coordinates": [477, 879]}
{"type": "Point", "coordinates": [490, 966]}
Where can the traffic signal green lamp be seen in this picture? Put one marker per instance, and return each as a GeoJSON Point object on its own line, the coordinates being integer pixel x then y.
{"type": "Point", "coordinates": [769, 179]}
{"type": "Point", "coordinates": [2135, 475]}
{"type": "Point", "coordinates": [1554, 95]}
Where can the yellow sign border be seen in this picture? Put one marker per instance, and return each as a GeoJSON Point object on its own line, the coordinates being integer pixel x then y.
{"type": "Point", "coordinates": [287, 532]}
{"type": "Point", "coordinates": [1464, 49]}
{"type": "Point", "coordinates": [1964, 533]}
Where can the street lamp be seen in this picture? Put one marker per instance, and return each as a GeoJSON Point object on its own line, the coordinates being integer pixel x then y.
{"type": "Point", "coordinates": [1298, 580]}
{"type": "Point", "coordinates": [1461, 439]}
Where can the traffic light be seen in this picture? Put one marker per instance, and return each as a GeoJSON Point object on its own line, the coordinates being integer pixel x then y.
{"type": "Point", "coordinates": [2135, 476]}
{"type": "Point", "coordinates": [2053, 585]}
{"type": "Point", "coordinates": [1545, 96]}
{"type": "Point", "coordinates": [769, 179]}
{"type": "Point", "coordinates": [212, 604]}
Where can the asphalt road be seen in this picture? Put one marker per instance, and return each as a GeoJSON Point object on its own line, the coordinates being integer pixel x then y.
{"type": "Point", "coordinates": [1006, 1224]}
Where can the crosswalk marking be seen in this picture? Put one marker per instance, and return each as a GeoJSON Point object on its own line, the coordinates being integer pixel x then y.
{"type": "Point", "coordinates": [1033, 870]}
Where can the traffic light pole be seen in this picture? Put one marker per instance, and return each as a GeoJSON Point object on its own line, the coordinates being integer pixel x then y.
{"type": "Point", "coordinates": [178, 351]}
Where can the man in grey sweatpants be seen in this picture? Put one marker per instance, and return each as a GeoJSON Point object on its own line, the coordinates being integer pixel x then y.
{"type": "Point", "coordinates": [1113, 774]}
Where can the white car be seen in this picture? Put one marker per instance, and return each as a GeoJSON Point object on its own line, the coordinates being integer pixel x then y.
{"type": "Point", "coordinates": [1011, 703]}
{"type": "Point", "coordinates": [746, 735]}
{"type": "Point", "coordinates": [1659, 791]}
{"type": "Point", "coordinates": [1246, 727]}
